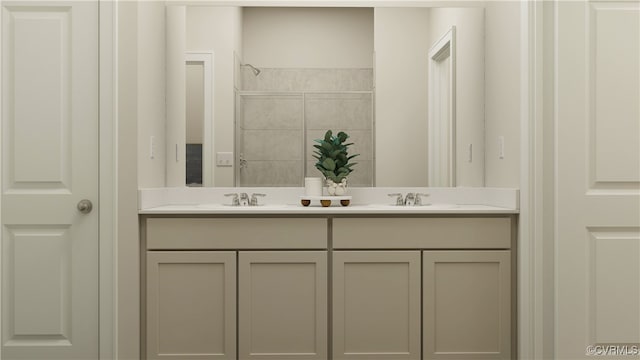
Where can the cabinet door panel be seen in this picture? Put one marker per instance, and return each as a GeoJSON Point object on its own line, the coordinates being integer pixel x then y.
{"type": "Point", "coordinates": [191, 305]}
{"type": "Point", "coordinates": [282, 305]}
{"type": "Point", "coordinates": [376, 305]}
{"type": "Point", "coordinates": [466, 305]}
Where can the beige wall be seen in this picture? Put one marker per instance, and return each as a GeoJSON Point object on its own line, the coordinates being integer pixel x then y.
{"type": "Point", "coordinates": [308, 37]}
{"type": "Point", "coordinates": [401, 48]}
{"type": "Point", "coordinates": [502, 84]}
{"type": "Point", "coordinates": [469, 23]}
{"type": "Point", "coordinates": [151, 93]}
{"type": "Point", "coordinates": [175, 95]}
{"type": "Point", "coordinates": [218, 30]}
{"type": "Point", "coordinates": [127, 263]}
{"type": "Point", "coordinates": [141, 114]}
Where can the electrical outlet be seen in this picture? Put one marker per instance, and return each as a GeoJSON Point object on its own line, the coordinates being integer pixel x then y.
{"type": "Point", "coordinates": [501, 147]}
{"type": "Point", "coordinates": [224, 159]}
{"type": "Point", "coordinates": [152, 147]}
{"type": "Point", "coordinates": [470, 153]}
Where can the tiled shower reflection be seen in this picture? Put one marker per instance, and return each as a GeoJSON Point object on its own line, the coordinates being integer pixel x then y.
{"type": "Point", "coordinates": [280, 112]}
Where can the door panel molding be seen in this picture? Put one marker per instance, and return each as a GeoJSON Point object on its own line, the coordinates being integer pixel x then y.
{"type": "Point", "coordinates": [612, 66]}
{"type": "Point", "coordinates": [37, 276]}
{"type": "Point", "coordinates": [612, 252]}
{"type": "Point", "coordinates": [36, 160]}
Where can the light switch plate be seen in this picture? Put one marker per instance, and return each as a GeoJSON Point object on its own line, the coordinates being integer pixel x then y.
{"type": "Point", "coordinates": [152, 147]}
{"type": "Point", "coordinates": [224, 159]}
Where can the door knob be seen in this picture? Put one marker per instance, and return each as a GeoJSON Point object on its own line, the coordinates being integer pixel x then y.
{"type": "Point", "coordinates": [85, 206]}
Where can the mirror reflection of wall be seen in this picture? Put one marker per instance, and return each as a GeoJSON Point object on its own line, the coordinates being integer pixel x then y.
{"type": "Point", "coordinates": [441, 141]}
{"type": "Point", "coordinates": [311, 78]}
{"type": "Point", "coordinates": [361, 70]}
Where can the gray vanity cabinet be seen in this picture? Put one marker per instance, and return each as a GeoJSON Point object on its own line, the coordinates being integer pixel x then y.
{"type": "Point", "coordinates": [282, 305]}
{"type": "Point", "coordinates": [191, 305]}
{"type": "Point", "coordinates": [466, 304]}
{"type": "Point", "coordinates": [236, 288]}
{"type": "Point", "coordinates": [380, 288]}
{"type": "Point", "coordinates": [376, 305]}
{"type": "Point", "coordinates": [447, 278]}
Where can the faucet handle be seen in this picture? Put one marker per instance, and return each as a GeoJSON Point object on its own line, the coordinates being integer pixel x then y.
{"type": "Point", "coordinates": [234, 201]}
{"type": "Point", "coordinates": [410, 199]}
{"type": "Point", "coordinates": [419, 199]}
{"type": "Point", "coordinates": [399, 201]}
{"type": "Point", "coordinates": [254, 199]}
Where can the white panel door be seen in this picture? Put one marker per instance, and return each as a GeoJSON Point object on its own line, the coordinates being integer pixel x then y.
{"type": "Point", "coordinates": [49, 163]}
{"type": "Point", "coordinates": [598, 177]}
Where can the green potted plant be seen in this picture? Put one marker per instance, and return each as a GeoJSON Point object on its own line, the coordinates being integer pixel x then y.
{"type": "Point", "coordinates": [334, 161]}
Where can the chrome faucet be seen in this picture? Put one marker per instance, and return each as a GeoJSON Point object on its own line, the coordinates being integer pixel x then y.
{"type": "Point", "coordinates": [244, 199]}
{"type": "Point", "coordinates": [410, 200]}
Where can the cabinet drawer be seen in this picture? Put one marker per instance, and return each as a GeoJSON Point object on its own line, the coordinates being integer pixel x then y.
{"type": "Point", "coordinates": [245, 233]}
{"type": "Point", "coordinates": [422, 233]}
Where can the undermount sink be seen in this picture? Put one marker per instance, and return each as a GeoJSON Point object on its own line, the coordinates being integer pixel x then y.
{"type": "Point", "coordinates": [229, 206]}
{"type": "Point", "coordinates": [421, 207]}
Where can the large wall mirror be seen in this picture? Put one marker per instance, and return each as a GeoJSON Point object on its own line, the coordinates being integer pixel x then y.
{"type": "Point", "coordinates": [257, 85]}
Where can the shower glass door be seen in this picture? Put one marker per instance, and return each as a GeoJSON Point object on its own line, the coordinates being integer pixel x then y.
{"type": "Point", "coordinates": [269, 139]}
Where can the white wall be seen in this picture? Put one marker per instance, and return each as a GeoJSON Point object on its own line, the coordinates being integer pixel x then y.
{"type": "Point", "coordinates": [502, 98]}
{"type": "Point", "coordinates": [308, 37]}
{"type": "Point", "coordinates": [128, 253]}
{"type": "Point", "coordinates": [469, 23]}
{"type": "Point", "coordinates": [401, 47]}
{"type": "Point", "coordinates": [141, 114]}
{"type": "Point", "coordinates": [176, 20]}
{"type": "Point", "coordinates": [218, 30]}
{"type": "Point", "coordinates": [151, 93]}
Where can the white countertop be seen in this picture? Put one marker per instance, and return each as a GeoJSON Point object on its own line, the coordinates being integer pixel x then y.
{"type": "Point", "coordinates": [286, 201]}
{"type": "Point", "coordinates": [291, 209]}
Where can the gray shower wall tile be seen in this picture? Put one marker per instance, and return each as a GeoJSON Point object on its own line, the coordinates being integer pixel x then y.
{"type": "Point", "coordinates": [362, 174]}
{"type": "Point", "coordinates": [272, 145]}
{"type": "Point", "coordinates": [346, 111]}
{"type": "Point", "coordinates": [272, 173]}
{"type": "Point", "coordinates": [283, 79]}
{"type": "Point", "coordinates": [362, 143]}
{"type": "Point", "coordinates": [272, 112]}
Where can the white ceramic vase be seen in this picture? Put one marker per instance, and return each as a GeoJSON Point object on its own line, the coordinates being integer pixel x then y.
{"type": "Point", "coordinates": [336, 189]}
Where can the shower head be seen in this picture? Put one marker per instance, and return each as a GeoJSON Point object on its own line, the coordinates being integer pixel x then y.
{"type": "Point", "coordinates": [254, 69]}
